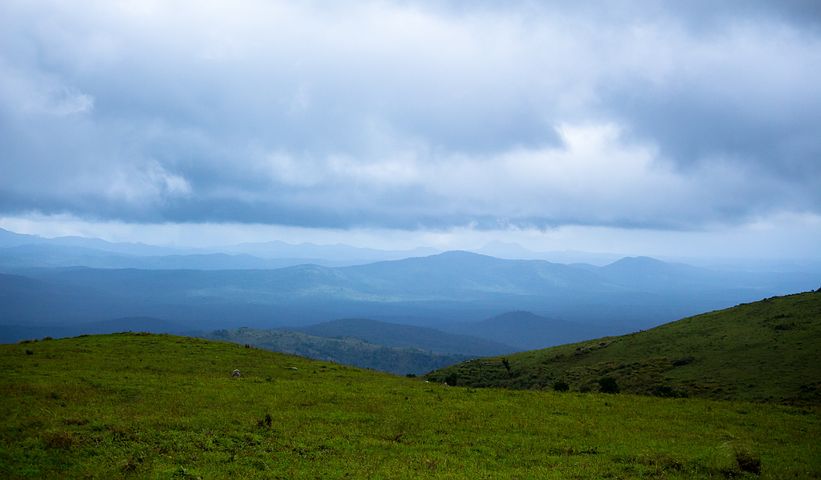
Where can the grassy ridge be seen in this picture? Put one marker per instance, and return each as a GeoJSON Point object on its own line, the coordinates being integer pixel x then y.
{"type": "Point", "coordinates": [763, 351]}
{"type": "Point", "coordinates": [156, 406]}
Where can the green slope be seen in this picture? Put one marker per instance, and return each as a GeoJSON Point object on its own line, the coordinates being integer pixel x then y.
{"type": "Point", "coordinates": [763, 351]}
{"type": "Point", "coordinates": [156, 406]}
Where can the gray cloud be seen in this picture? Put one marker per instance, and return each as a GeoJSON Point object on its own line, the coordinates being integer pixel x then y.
{"type": "Point", "coordinates": [408, 115]}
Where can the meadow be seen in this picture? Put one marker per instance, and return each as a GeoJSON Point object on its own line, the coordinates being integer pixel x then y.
{"type": "Point", "coordinates": [158, 406]}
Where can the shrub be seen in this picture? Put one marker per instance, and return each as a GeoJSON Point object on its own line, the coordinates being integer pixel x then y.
{"type": "Point", "coordinates": [748, 462]}
{"type": "Point", "coordinates": [452, 379]}
{"type": "Point", "coordinates": [61, 440]}
{"type": "Point", "coordinates": [679, 362]}
{"type": "Point", "coordinates": [266, 422]}
{"type": "Point", "coordinates": [667, 392]}
{"type": "Point", "coordinates": [75, 421]}
{"type": "Point", "coordinates": [506, 364]}
{"type": "Point", "coordinates": [608, 385]}
{"type": "Point", "coordinates": [561, 386]}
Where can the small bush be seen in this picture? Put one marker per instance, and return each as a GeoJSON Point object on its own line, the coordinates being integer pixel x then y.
{"type": "Point", "coordinates": [268, 421]}
{"type": "Point", "coordinates": [61, 440]}
{"type": "Point", "coordinates": [667, 392]}
{"type": "Point", "coordinates": [29, 352]}
{"type": "Point", "coordinates": [183, 472]}
{"type": "Point", "coordinates": [411, 375]}
{"type": "Point", "coordinates": [506, 364]}
{"type": "Point", "coordinates": [132, 464]}
{"type": "Point", "coordinates": [748, 462]}
{"type": "Point", "coordinates": [561, 386]}
{"type": "Point", "coordinates": [75, 421]}
{"type": "Point", "coordinates": [608, 385]}
{"type": "Point", "coordinates": [452, 379]}
{"type": "Point", "coordinates": [679, 362]}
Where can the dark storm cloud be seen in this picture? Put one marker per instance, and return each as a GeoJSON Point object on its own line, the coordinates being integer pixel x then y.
{"type": "Point", "coordinates": [411, 114]}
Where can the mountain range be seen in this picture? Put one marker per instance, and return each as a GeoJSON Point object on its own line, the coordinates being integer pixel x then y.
{"type": "Point", "coordinates": [69, 285]}
{"type": "Point", "coordinates": [21, 250]}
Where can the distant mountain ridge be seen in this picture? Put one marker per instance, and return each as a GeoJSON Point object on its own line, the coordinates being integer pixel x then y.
{"type": "Point", "coordinates": [12, 239]}
{"type": "Point", "coordinates": [58, 256]}
{"type": "Point", "coordinates": [98, 253]}
{"type": "Point", "coordinates": [338, 253]}
{"type": "Point", "coordinates": [438, 291]}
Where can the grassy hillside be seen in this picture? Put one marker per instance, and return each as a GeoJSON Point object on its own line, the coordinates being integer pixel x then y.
{"type": "Point", "coordinates": [349, 351]}
{"type": "Point", "coordinates": [763, 351]}
{"type": "Point", "coordinates": [16, 333]}
{"type": "Point", "coordinates": [156, 406]}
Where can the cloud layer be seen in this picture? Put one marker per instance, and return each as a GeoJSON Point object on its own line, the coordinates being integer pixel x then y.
{"type": "Point", "coordinates": [411, 115]}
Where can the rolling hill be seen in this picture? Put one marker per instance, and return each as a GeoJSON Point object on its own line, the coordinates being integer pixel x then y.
{"type": "Point", "coordinates": [158, 406]}
{"type": "Point", "coordinates": [347, 351]}
{"type": "Point", "coordinates": [16, 333]}
{"type": "Point", "coordinates": [527, 331]}
{"type": "Point", "coordinates": [762, 351]}
{"type": "Point", "coordinates": [407, 336]}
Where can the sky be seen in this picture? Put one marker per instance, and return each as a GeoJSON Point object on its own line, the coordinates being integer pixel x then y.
{"type": "Point", "coordinates": [665, 128]}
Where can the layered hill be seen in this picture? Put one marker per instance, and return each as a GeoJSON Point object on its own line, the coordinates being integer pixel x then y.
{"type": "Point", "coordinates": [158, 406]}
{"type": "Point", "coordinates": [407, 336]}
{"type": "Point", "coordinates": [768, 350]}
{"type": "Point", "coordinates": [347, 350]}
{"type": "Point", "coordinates": [432, 291]}
{"type": "Point", "coordinates": [527, 331]}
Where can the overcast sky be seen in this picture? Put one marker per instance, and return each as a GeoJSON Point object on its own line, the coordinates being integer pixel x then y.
{"type": "Point", "coordinates": [664, 128]}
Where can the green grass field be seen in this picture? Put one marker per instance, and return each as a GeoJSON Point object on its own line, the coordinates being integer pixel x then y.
{"type": "Point", "coordinates": [766, 351]}
{"type": "Point", "coordinates": [154, 406]}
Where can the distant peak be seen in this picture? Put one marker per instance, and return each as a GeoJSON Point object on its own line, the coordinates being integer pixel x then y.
{"type": "Point", "coordinates": [517, 314]}
{"type": "Point", "coordinates": [460, 253]}
{"type": "Point", "coordinates": [638, 261]}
